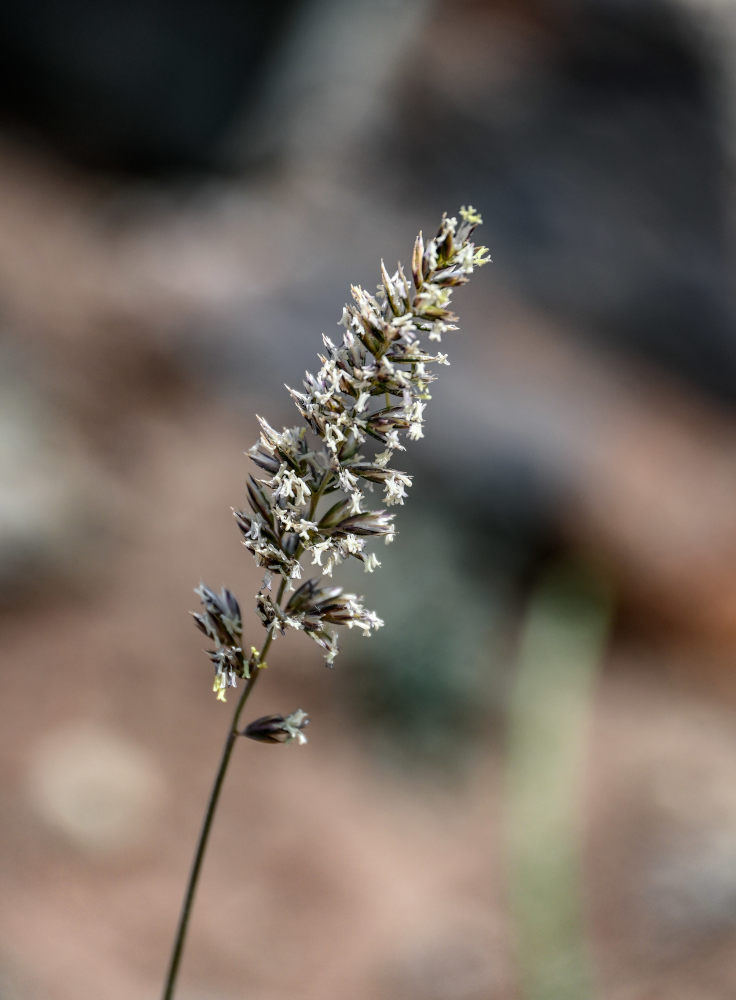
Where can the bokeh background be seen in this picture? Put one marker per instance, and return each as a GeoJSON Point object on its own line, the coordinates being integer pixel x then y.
{"type": "Point", "coordinates": [523, 786]}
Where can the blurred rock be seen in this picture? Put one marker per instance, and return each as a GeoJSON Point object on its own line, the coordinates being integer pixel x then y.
{"type": "Point", "coordinates": [661, 860]}
{"type": "Point", "coordinates": [137, 86]}
{"type": "Point", "coordinates": [691, 890]}
{"type": "Point", "coordinates": [49, 513]}
{"type": "Point", "coordinates": [459, 955]}
{"type": "Point", "coordinates": [98, 791]}
{"type": "Point", "coordinates": [591, 134]}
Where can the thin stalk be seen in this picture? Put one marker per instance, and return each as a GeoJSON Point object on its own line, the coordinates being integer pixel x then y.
{"type": "Point", "coordinates": [214, 797]}
{"type": "Point", "coordinates": [209, 816]}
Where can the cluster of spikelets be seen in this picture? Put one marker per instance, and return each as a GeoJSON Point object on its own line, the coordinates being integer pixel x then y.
{"type": "Point", "coordinates": [367, 398]}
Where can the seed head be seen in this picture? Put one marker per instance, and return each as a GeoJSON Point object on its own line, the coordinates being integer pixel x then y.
{"type": "Point", "coordinates": [366, 400]}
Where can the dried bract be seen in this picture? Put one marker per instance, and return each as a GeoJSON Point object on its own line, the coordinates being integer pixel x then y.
{"type": "Point", "coordinates": [221, 622]}
{"type": "Point", "coordinates": [279, 728]}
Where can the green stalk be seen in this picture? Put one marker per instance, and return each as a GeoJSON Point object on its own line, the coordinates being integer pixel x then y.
{"type": "Point", "coordinates": [562, 647]}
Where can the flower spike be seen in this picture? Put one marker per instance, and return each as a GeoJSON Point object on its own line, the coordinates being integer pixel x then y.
{"type": "Point", "coordinates": [308, 497]}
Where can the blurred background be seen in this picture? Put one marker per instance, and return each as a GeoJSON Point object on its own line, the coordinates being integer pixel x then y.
{"type": "Point", "coordinates": [522, 787]}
